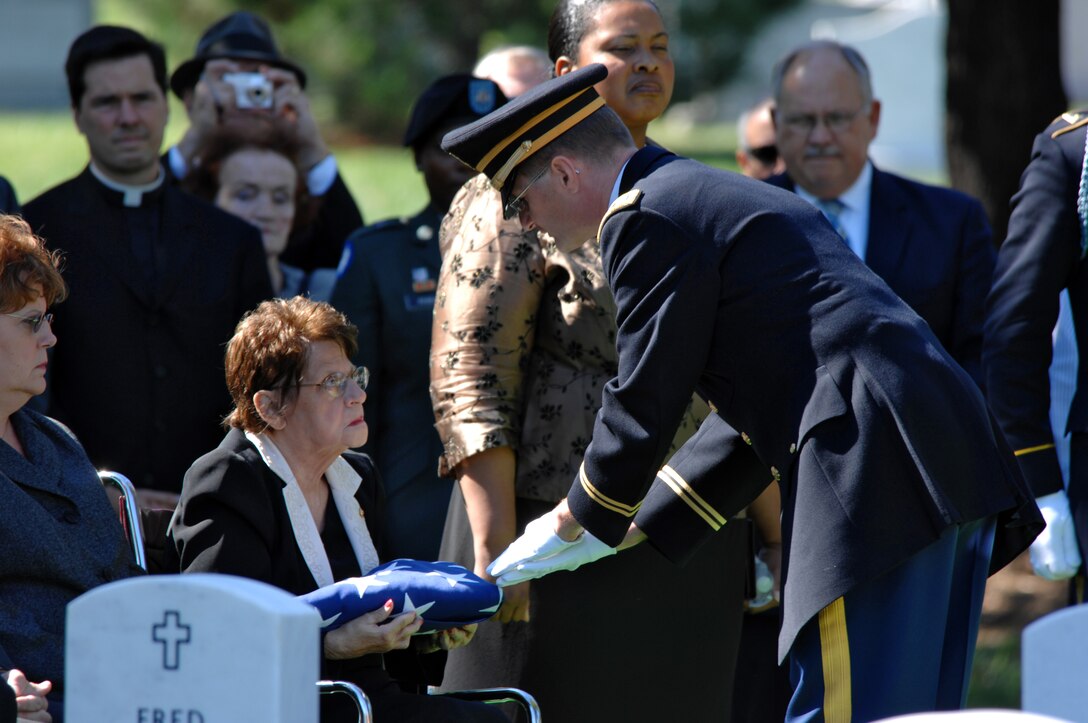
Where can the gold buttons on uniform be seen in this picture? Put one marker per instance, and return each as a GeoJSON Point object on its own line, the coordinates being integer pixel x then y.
{"type": "Point", "coordinates": [775, 474]}
{"type": "Point", "coordinates": [746, 438]}
{"type": "Point", "coordinates": [793, 448]}
{"type": "Point", "coordinates": [361, 513]}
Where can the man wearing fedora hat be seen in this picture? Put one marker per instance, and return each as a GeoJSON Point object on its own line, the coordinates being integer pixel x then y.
{"type": "Point", "coordinates": [899, 493]}
{"type": "Point", "coordinates": [238, 71]}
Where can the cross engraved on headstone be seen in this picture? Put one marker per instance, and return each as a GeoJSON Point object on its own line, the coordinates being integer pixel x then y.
{"type": "Point", "coordinates": [171, 634]}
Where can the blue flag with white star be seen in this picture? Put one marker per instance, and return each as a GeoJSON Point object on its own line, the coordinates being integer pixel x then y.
{"type": "Point", "coordinates": [444, 594]}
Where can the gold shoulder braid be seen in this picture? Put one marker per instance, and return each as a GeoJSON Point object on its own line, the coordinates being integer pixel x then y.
{"type": "Point", "coordinates": [1075, 119]}
{"type": "Point", "coordinates": [623, 201]}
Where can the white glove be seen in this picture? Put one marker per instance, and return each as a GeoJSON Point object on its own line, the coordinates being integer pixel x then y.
{"type": "Point", "coordinates": [539, 551]}
{"type": "Point", "coordinates": [1054, 553]}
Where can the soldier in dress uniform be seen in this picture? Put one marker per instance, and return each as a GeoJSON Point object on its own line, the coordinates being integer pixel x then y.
{"type": "Point", "coordinates": [1044, 254]}
{"type": "Point", "coordinates": [386, 287]}
{"type": "Point", "coordinates": [899, 494]}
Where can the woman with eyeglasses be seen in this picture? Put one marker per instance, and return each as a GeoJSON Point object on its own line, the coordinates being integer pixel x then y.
{"type": "Point", "coordinates": [59, 536]}
{"type": "Point", "coordinates": [283, 501]}
{"type": "Point", "coordinates": [522, 344]}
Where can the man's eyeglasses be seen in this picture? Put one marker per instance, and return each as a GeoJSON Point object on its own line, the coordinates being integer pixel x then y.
{"type": "Point", "coordinates": [836, 121]}
{"type": "Point", "coordinates": [34, 322]}
{"type": "Point", "coordinates": [516, 205]}
{"type": "Point", "coordinates": [336, 384]}
{"type": "Point", "coordinates": [767, 155]}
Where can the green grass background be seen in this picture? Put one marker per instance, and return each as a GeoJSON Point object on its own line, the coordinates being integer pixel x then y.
{"type": "Point", "coordinates": [39, 150]}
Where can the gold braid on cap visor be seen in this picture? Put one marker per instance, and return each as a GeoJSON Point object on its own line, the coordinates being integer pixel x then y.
{"type": "Point", "coordinates": [530, 146]}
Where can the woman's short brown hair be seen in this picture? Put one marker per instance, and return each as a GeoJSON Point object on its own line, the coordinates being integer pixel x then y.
{"type": "Point", "coordinates": [26, 267]}
{"type": "Point", "coordinates": [269, 350]}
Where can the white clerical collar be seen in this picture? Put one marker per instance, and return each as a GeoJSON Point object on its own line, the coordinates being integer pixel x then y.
{"type": "Point", "coordinates": [133, 195]}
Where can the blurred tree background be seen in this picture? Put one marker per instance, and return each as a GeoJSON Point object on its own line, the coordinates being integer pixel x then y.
{"type": "Point", "coordinates": [367, 59]}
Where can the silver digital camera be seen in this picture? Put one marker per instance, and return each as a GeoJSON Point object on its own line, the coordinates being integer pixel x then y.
{"type": "Point", "coordinates": [251, 90]}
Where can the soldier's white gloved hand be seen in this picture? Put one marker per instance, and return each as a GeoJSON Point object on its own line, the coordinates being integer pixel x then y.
{"type": "Point", "coordinates": [1054, 553]}
{"type": "Point", "coordinates": [538, 542]}
{"type": "Point", "coordinates": [585, 549]}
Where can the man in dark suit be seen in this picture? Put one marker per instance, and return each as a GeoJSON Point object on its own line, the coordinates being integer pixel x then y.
{"type": "Point", "coordinates": [1043, 254]}
{"type": "Point", "coordinates": [899, 493]}
{"type": "Point", "coordinates": [158, 278]}
{"type": "Point", "coordinates": [242, 47]}
{"type": "Point", "coordinates": [931, 245]}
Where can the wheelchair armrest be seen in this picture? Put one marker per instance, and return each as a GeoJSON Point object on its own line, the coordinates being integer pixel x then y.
{"type": "Point", "coordinates": [362, 703]}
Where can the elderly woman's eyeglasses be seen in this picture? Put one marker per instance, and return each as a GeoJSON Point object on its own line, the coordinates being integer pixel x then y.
{"type": "Point", "coordinates": [34, 322]}
{"type": "Point", "coordinates": [516, 205]}
{"type": "Point", "coordinates": [336, 384]}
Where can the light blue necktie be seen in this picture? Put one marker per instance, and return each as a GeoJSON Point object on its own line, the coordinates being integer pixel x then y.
{"type": "Point", "coordinates": [832, 210]}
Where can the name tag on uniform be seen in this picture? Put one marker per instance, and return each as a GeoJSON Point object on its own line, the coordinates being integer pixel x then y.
{"type": "Point", "coordinates": [423, 287]}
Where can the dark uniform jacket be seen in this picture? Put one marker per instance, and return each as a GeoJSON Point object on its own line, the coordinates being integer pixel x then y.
{"type": "Point", "coordinates": [137, 372]}
{"type": "Point", "coordinates": [744, 293]}
{"type": "Point", "coordinates": [1043, 253]}
{"type": "Point", "coordinates": [387, 289]}
{"type": "Point", "coordinates": [934, 248]}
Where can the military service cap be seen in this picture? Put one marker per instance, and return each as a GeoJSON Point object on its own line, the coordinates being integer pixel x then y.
{"type": "Point", "coordinates": [497, 143]}
{"type": "Point", "coordinates": [452, 97]}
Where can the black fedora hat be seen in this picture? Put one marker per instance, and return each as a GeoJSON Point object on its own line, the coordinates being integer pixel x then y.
{"type": "Point", "coordinates": [240, 35]}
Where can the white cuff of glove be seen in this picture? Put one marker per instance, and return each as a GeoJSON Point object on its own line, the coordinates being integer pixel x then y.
{"type": "Point", "coordinates": [1054, 553]}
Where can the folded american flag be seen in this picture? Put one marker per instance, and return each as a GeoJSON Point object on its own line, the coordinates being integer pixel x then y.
{"type": "Point", "coordinates": [445, 595]}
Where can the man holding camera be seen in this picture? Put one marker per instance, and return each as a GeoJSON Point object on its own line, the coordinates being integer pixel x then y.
{"type": "Point", "coordinates": [158, 278]}
{"type": "Point", "coordinates": [238, 72]}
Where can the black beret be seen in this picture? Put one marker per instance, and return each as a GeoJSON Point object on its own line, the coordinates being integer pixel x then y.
{"type": "Point", "coordinates": [451, 97]}
{"type": "Point", "coordinates": [498, 142]}
{"type": "Point", "coordinates": [238, 36]}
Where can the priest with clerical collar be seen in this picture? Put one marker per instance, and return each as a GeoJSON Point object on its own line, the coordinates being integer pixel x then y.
{"type": "Point", "coordinates": [158, 278]}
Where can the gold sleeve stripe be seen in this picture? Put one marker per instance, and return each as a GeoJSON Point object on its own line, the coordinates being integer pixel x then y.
{"type": "Point", "coordinates": [604, 500]}
{"type": "Point", "coordinates": [1036, 448]}
{"type": "Point", "coordinates": [835, 650]}
{"type": "Point", "coordinates": [684, 491]}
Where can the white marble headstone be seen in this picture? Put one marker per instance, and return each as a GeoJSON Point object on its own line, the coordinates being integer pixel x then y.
{"type": "Point", "coordinates": [195, 648]}
{"type": "Point", "coordinates": [1054, 664]}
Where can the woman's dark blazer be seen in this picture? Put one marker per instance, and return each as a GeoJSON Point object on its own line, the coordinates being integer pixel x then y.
{"type": "Point", "coordinates": [232, 518]}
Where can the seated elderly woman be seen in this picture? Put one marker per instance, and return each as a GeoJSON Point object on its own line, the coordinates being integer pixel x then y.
{"type": "Point", "coordinates": [59, 536]}
{"type": "Point", "coordinates": [282, 500]}
{"type": "Point", "coordinates": [252, 170]}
